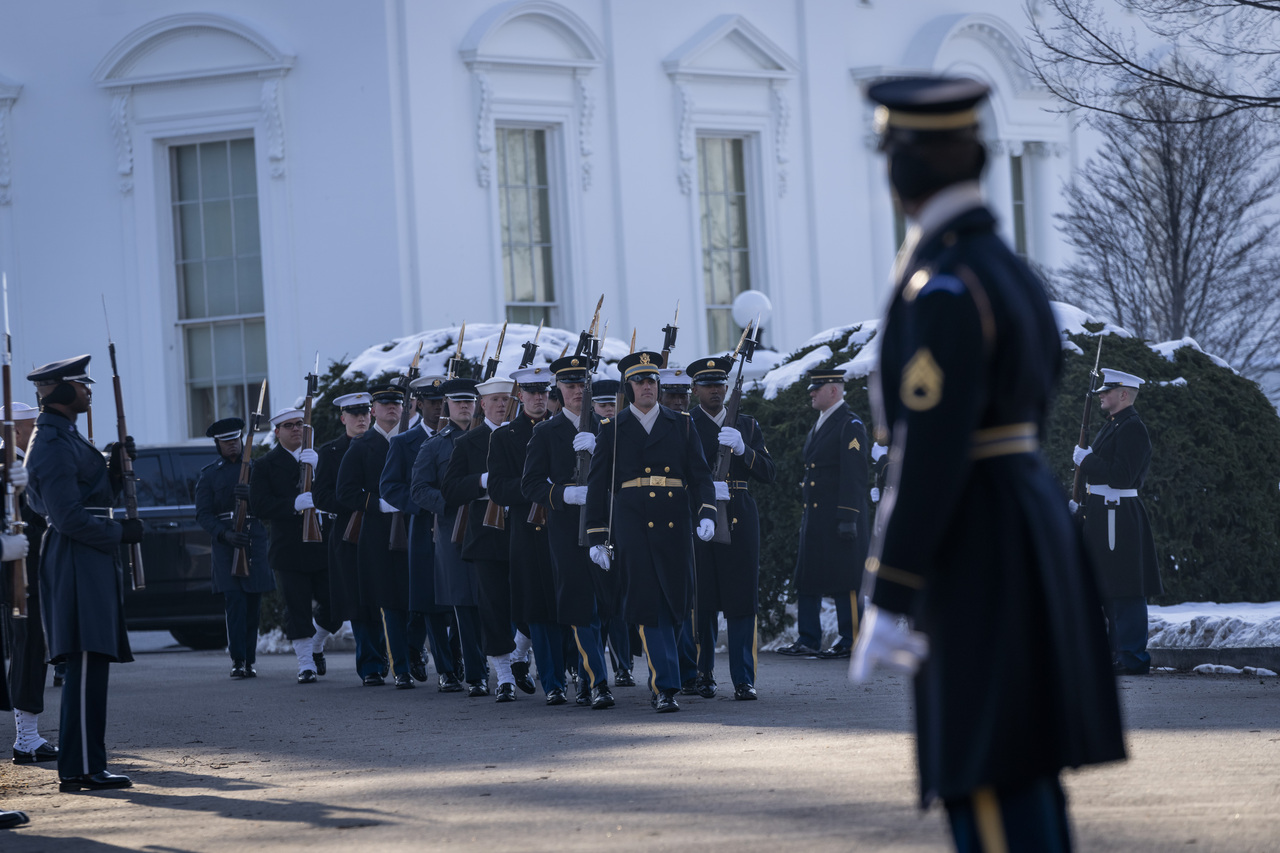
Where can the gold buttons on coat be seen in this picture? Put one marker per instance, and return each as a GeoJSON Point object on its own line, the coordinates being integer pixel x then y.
{"type": "Point", "coordinates": [671, 494]}
{"type": "Point", "coordinates": [671, 524]}
{"type": "Point", "coordinates": [651, 524]}
{"type": "Point", "coordinates": [653, 494]}
{"type": "Point", "coordinates": [646, 470]}
{"type": "Point", "coordinates": [667, 470]}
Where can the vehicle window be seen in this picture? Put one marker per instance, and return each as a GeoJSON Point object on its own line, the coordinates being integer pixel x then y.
{"type": "Point", "coordinates": [188, 463]}
{"type": "Point", "coordinates": [151, 484]}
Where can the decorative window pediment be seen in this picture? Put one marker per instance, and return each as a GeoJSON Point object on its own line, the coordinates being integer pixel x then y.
{"type": "Point", "coordinates": [187, 47]}
{"type": "Point", "coordinates": [531, 33]}
{"type": "Point", "coordinates": [730, 46]}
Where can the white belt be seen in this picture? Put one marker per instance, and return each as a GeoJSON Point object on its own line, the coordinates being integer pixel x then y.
{"type": "Point", "coordinates": [1109, 494]}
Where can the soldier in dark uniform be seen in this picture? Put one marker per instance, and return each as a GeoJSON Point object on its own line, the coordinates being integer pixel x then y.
{"type": "Point", "coordinates": [344, 561]}
{"type": "Point", "coordinates": [673, 388]}
{"type": "Point", "coordinates": [217, 491]}
{"type": "Point", "coordinates": [81, 578]}
{"type": "Point", "coordinates": [455, 584]}
{"type": "Point", "coordinates": [427, 620]}
{"type": "Point", "coordinates": [1116, 529]}
{"type": "Point", "coordinates": [27, 660]}
{"type": "Point", "coordinates": [383, 573]}
{"type": "Point", "coordinates": [12, 547]}
{"type": "Point", "coordinates": [729, 575]}
{"type": "Point", "coordinates": [301, 568]}
{"type": "Point", "coordinates": [583, 592]}
{"type": "Point", "coordinates": [835, 527]}
{"type": "Point", "coordinates": [648, 463]}
{"type": "Point", "coordinates": [973, 541]}
{"type": "Point", "coordinates": [617, 634]}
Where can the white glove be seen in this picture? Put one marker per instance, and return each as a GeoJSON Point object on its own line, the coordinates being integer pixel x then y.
{"type": "Point", "coordinates": [1073, 506]}
{"type": "Point", "coordinates": [18, 476]}
{"type": "Point", "coordinates": [386, 507]}
{"type": "Point", "coordinates": [875, 495]}
{"type": "Point", "coordinates": [722, 490]}
{"type": "Point", "coordinates": [732, 439]}
{"type": "Point", "coordinates": [1079, 453]}
{"type": "Point", "coordinates": [877, 451]}
{"type": "Point", "coordinates": [706, 529]}
{"type": "Point", "coordinates": [303, 501]}
{"type": "Point", "coordinates": [13, 546]}
{"type": "Point", "coordinates": [599, 554]}
{"type": "Point", "coordinates": [484, 480]}
{"type": "Point", "coordinates": [584, 441]}
{"type": "Point", "coordinates": [575, 495]}
{"type": "Point", "coordinates": [308, 457]}
{"type": "Point", "coordinates": [882, 641]}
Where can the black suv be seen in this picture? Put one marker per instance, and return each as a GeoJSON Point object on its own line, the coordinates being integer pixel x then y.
{"type": "Point", "coordinates": [178, 596]}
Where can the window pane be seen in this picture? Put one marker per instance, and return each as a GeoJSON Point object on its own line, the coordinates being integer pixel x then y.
{"type": "Point", "coordinates": [231, 400]}
{"type": "Point", "coordinates": [248, 241]}
{"type": "Point", "coordinates": [524, 210]}
{"type": "Point", "coordinates": [531, 314]}
{"type": "Point", "coordinates": [186, 174]}
{"type": "Point", "coordinates": [737, 175]}
{"type": "Point", "coordinates": [217, 229]}
{"type": "Point", "coordinates": [540, 229]}
{"type": "Point", "coordinates": [244, 171]}
{"type": "Point", "coordinates": [220, 284]}
{"type": "Point", "coordinates": [522, 268]}
{"type": "Point", "coordinates": [544, 275]}
{"type": "Point", "coordinates": [720, 329]}
{"type": "Point", "coordinates": [150, 480]}
{"type": "Point", "coordinates": [255, 350]}
{"type": "Point", "coordinates": [190, 244]}
{"type": "Point", "coordinates": [518, 210]}
{"type": "Point", "coordinates": [717, 222]}
{"type": "Point", "coordinates": [538, 141]}
{"type": "Point", "coordinates": [737, 217]}
{"type": "Point", "coordinates": [508, 275]}
{"type": "Point", "coordinates": [199, 355]}
{"type": "Point", "coordinates": [741, 275]}
{"type": "Point", "coordinates": [719, 293]}
{"type": "Point", "coordinates": [713, 164]}
{"type": "Point", "coordinates": [215, 171]}
{"type": "Point", "coordinates": [200, 410]}
{"type": "Point", "coordinates": [249, 284]}
{"type": "Point", "coordinates": [504, 217]}
{"type": "Point", "coordinates": [228, 351]}
{"type": "Point", "coordinates": [191, 291]}
{"type": "Point", "coordinates": [517, 169]}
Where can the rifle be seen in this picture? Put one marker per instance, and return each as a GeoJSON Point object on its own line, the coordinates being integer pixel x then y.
{"type": "Point", "coordinates": [1077, 485]}
{"type": "Point", "coordinates": [399, 532]}
{"type": "Point", "coordinates": [724, 455]}
{"type": "Point", "coordinates": [494, 516]}
{"type": "Point", "coordinates": [13, 524]}
{"type": "Point", "coordinates": [613, 469]}
{"type": "Point", "coordinates": [310, 521]}
{"type": "Point", "coordinates": [589, 348]}
{"type": "Point", "coordinates": [134, 550]}
{"type": "Point", "coordinates": [451, 372]}
{"type": "Point", "coordinates": [669, 337]}
{"type": "Point", "coordinates": [240, 566]}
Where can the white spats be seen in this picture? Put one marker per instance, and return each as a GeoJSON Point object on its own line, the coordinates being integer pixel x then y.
{"type": "Point", "coordinates": [302, 648]}
{"type": "Point", "coordinates": [501, 666]}
{"type": "Point", "coordinates": [318, 641]}
{"type": "Point", "coordinates": [26, 726]}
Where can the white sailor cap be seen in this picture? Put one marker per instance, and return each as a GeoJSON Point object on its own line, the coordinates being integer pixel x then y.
{"type": "Point", "coordinates": [533, 377]}
{"type": "Point", "coordinates": [286, 414]}
{"type": "Point", "coordinates": [674, 377]}
{"type": "Point", "coordinates": [358, 400]}
{"type": "Point", "coordinates": [1117, 379]}
{"type": "Point", "coordinates": [429, 387]}
{"type": "Point", "coordinates": [495, 386]}
{"type": "Point", "coordinates": [21, 412]}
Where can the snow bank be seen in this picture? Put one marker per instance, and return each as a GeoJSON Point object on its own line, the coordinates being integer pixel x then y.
{"type": "Point", "coordinates": [1199, 625]}
{"type": "Point", "coordinates": [1071, 321]}
{"type": "Point", "coordinates": [1168, 348]}
{"type": "Point", "coordinates": [1220, 669]}
{"type": "Point", "coordinates": [788, 374]}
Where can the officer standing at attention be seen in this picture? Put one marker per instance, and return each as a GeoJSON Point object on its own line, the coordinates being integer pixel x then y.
{"type": "Point", "coordinates": [835, 527]}
{"type": "Point", "coordinates": [729, 574]}
{"type": "Point", "coordinates": [648, 463]}
{"type": "Point", "coordinates": [81, 578]}
{"type": "Point", "coordinates": [301, 568]}
{"type": "Point", "coordinates": [673, 388]}
{"type": "Point", "coordinates": [218, 490]}
{"type": "Point", "coordinates": [27, 659]}
{"type": "Point", "coordinates": [1116, 530]}
{"type": "Point", "coordinates": [973, 541]}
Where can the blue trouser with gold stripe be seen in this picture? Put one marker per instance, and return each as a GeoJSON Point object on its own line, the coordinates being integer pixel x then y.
{"type": "Point", "coordinates": [1012, 819]}
{"type": "Point", "coordinates": [590, 642]}
{"type": "Point", "coordinates": [809, 619]}
{"type": "Point", "coordinates": [548, 652]}
{"type": "Point", "coordinates": [740, 642]}
{"type": "Point", "coordinates": [395, 627]}
{"type": "Point", "coordinates": [661, 649]}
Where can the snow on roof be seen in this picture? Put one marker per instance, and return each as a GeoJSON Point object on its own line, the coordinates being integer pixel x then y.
{"type": "Point", "coordinates": [1168, 348]}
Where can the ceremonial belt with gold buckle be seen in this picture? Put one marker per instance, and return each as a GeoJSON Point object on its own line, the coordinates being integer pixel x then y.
{"type": "Point", "coordinates": [661, 482]}
{"type": "Point", "coordinates": [101, 511]}
{"type": "Point", "coordinates": [1004, 440]}
{"type": "Point", "coordinates": [737, 485]}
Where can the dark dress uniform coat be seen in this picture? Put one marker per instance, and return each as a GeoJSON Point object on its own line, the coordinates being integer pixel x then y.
{"type": "Point", "coordinates": [384, 574]}
{"type": "Point", "coordinates": [834, 491]}
{"type": "Point", "coordinates": [397, 490]}
{"type": "Point", "coordinates": [455, 584]}
{"type": "Point", "coordinates": [652, 525]}
{"type": "Point", "coordinates": [81, 575]}
{"type": "Point", "coordinates": [550, 466]}
{"type": "Point", "coordinates": [344, 570]}
{"type": "Point", "coordinates": [729, 575]}
{"type": "Point", "coordinates": [273, 487]}
{"type": "Point", "coordinates": [533, 590]}
{"type": "Point", "coordinates": [27, 667]}
{"type": "Point", "coordinates": [973, 538]}
{"type": "Point", "coordinates": [215, 498]}
{"type": "Point", "coordinates": [461, 484]}
{"type": "Point", "coordinates": [1117, 531]}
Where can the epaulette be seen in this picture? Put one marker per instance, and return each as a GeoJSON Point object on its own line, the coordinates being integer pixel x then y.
{"type": "Point", "coordinates": [604, 421]}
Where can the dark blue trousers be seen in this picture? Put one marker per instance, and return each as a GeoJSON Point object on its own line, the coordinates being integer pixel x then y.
{"type": "Point", "coordinates": [687, 651]}
{"type": "Point", "coordinates": [618, 634]}
{"type": "Point", "coordinates": [1127, 631]}
{"type": "Point", "coordinates": [395, 627]}
{"type": "Point", "coordinates": [741, 644]}
{"type": "Point", "coordinates": [243, 610]}
{"type": "Point", "coordinates": [1030, 818]}
{"type": "Point", "coordinates": [432, 629]}
{"type": "Point", "coordinates": [82, 747]}
{"type": "Point", "coordinates": [371, 643]}
{"type": "Point", "coordinates": [660, 648]}
{"type": "Point", "coordinates": [474, 666]}
{"type": "Point", "coordinates": [548, 653]}
{"type": "Point", "coordinates": [592, 671]}
{"type": "Point", "coordinates": [809, 620]}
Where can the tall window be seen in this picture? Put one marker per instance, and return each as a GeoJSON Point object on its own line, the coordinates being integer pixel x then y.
{"type": "Point", "coordinates": [218, 255]}
{"type": "Point", "coordinates": [524, 205]}
{"type": "Point", "coordinates": [1019, 202]}
{"type": "Point", "coordinates": [726, 255]}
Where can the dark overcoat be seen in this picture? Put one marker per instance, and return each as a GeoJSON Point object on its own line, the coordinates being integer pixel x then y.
{"type": "Point", "coordinates": [81, 575]}
{"type": "Point", "coordinates": [455, 584]}
{"type": "Point", "coordinates": [397, 490]}
{"type": "Point", "coordinates": [26, 653]}
{"type": "Point", "coordinates": [273, 488]}
{"type": "Point", "coordinates": [652, 525]}
{"type": "Point", "coordinates": [533, 589]}
{"type": "Point", "coordinates": [383, 573]}
{"type": "Point", "coordinates": [1116, 530]}
{"type": "Point", "coordinates": [344, 569]}
{"type": "Point", "coordinates": [973, 537]}
{"type": "Point", "coordinates": [461, 484]}
{"type": "Point", "coordinates": [581, 587]}
{"type": "Point", "coordinates": [834, 492]}
{"type": "Point", "coordinates": [215, 498]}
{"type": "Point", "coordinates": [729, 575]}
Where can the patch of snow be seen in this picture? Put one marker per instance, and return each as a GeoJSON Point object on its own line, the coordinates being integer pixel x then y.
{"type": "Point", "coordinates": [1222, 669]}
{"type": "Point", "coordinates": [1198, 625]}
{"type": "Point", "coordinates": [1168, 348]}
{"type": "Point", "coordinates": [1179, 382]}
{"type": "Point", "coordinates": [1071, 320]}
{"type": "Point", "coordinates": [788, 374]}
{"type": "Point", "coordinates": [1070, 346]}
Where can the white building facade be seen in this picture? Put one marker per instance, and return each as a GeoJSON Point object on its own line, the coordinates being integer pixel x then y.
{"type": "Point", "coordinates": [248, 182]}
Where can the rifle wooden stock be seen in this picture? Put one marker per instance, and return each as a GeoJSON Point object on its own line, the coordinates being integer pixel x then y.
{"type": "Point", "coordinates": [460, 524]}
{"type": "Point", "coordinates": [134, 550]}
{"type": "Point", "coordinates": [240, 565]}
{"type": "Point", "coordinates": [352, 534]}
{"type": "Point", "coordinates": [494, 516]}
{"type": "Point", "coordinates": [537, 515]}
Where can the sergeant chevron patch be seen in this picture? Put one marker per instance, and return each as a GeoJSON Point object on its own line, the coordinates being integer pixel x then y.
{"type": "Point", "coordinates": [921, 388]}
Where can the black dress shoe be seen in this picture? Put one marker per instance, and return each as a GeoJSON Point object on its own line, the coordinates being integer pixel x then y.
{"type": "Point", "coordinates": [520, 671]}
{"type": "Point", "coordinates": [745, 691]}
{"type": "Point", "coordinates": [249, 671]}
{"type": "Point", "coordinates": [8, 820]}
{"type": "Point", "coordinates": [840, 651]}
{"type": "Point", "coordinates": [556, 697]}
{"type": "Point", "coordinates": [321, 665]}
{"type": "Point", "coordinates": [624, 679]}
{"type": "Point", "coordinates": [417, 665]}
{"type": "Point", "coordinates": [237, 669]}
{"type": "Point", "coordinates": [667, 702]}
{"type": "Point", "coordinates": [307, 676]}
{"type": "Point", "coordinates": [689, 687]}
{"type": "Point", "coordinates": [476, 689]}
{"type": "Point", "coordinates": [706, 686]}
{"type": "Point", "coordinates": [403, 681]}
{"type": "Point", "coordinates": [102, 781]}
{"type": "Point", "coordinates": [601, 698]}
{"type": "Point", "coordinates": [57, 681]}
{"type": "Point", "coordinates": [449, 683]}
{"type": "Point", "coordinates": [798, 650]}
{"type": "Point", "coordinates": [1120, 669]}
{"type": "Point", "coordinates": [374, 680]}
{"type": "Point", "coordinates": [44, 752]}
{"type": "Point", "coordinates": [506, 693]}
{"type": "Point", "coordinates": [584, 696]}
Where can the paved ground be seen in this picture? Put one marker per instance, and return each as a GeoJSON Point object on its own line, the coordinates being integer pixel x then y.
{"type": "Point", "coordinates": [817, 764]}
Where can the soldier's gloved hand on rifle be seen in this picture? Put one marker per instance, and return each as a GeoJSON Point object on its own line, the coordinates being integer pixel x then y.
{"type": "Point", "coordinates": [847, 530]}
{"type": "Point", "coordinates": [883, 642]}
{"type": "Point", "coordinates": [875, 495]}
{"type": "Point", "coordinates": [575, 495]}
{"type": "Point", "coordinates": [235, 540]}
{"type": "Point", "coordinates": [484, 480]}
{"type": "Point", "coordinates": [599, 553]}
{"type": "Point", "coordinates": [722, 490]}
{"type": "Point", "coordinates": [241, 491]}
{"type": "Point", "coordinates": [706, 529]}
{"type": "Point", "coordinates": [18, 476]}
{"type": "Point", "coordinates": [307, 456]}
{"type": "Point", "coordinates": [386, 507]}
{"type": "Point", "coordinates": [732, 439]}
{"type": "Point", "coordinates": [584, 441]}
{"type": "Point", "coordinates": [303, 501]}
{"type": "Point", "coordinates": [131, 531]}
{"type": "Point", "coordinates": [1079, 453]}
{"type": "Point", "coordinates": [13, 547]}
{"type": "Point", "coordinates": [115, 464]}
{"type": "Point", "coordinates": [1073, 506]}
